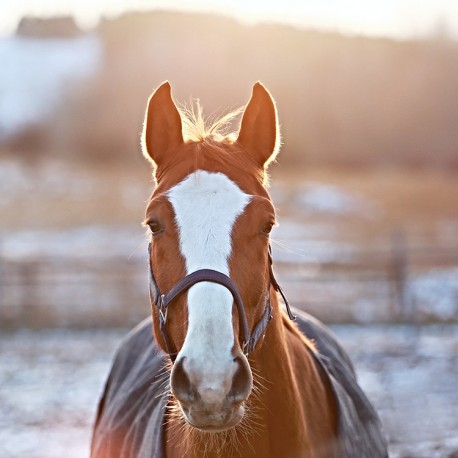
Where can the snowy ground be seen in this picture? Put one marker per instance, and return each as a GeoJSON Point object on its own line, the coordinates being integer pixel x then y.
{"type": "Point", "coordinates": [50, 381]}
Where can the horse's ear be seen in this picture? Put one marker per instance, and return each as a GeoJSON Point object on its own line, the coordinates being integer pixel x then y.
{"type": "Point", "coordinates": [162, 129]}
{"type": "Point", "coordinates": [259, 133]}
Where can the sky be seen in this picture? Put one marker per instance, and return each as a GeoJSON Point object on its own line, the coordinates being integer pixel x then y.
{"type": "Point", "coordinates": [392, 18]}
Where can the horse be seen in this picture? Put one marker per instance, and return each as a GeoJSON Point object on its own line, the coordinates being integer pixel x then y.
{"type": "Point", "coordinates": [219, 369]}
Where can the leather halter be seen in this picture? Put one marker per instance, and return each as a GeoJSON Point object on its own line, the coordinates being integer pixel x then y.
{"type": "Point", "coordinates": [162, 302]}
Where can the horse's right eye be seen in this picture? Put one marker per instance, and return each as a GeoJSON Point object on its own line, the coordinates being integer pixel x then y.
{"type": "Point", "coordinates": [155, 227]}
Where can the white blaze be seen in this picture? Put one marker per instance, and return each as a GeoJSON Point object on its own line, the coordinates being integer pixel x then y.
{"type": "Point", "coordinates": [206, 206]}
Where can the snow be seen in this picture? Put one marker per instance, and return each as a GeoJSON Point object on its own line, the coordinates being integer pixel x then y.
{"type": "Point", "coordinates": [48, 180]}
{"type": "Point", "coordinates": [83, 242]}
{"type": "Point", "coordinates": [14, 180]}
{"type": "Point", "coordinates": [35, 73]}
{"type": "Point", "coordinates": [435, 293]}
{"type": "Point", "coordinates": [51, 380]}
{"type": "Point", "coordinates": [410, 374]}
{"type": "Point", "coordinates": [317, 197]}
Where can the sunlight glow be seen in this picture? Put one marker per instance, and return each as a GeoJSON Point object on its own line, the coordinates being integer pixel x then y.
{"type": "Point", "coordinates": [395, 18]}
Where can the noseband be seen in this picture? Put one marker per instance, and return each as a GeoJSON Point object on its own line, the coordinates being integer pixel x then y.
{"type": "Point", "coordinates": [162, 302]}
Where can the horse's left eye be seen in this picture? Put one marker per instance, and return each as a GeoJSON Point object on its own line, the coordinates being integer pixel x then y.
{"type": "Point", "coordinates": [267, 228]}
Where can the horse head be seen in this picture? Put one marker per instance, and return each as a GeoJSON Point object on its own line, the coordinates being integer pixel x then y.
{"type": "Point", "coordinates": [210, 212]}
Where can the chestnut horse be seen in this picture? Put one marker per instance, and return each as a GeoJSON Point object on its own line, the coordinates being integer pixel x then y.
{"type": "Point", "coordinates": [228, 373]}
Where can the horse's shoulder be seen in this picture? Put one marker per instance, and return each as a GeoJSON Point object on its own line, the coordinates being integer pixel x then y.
{"type": "Point", "coordinates": [359, 427]}
{"type": "Point", "coordinates": [130, 411]}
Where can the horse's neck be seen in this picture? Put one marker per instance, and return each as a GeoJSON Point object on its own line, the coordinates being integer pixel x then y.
{"type": "Point", "coordinates": [297, 406]}
{"type": "Point", "coordinates": [289, 413]}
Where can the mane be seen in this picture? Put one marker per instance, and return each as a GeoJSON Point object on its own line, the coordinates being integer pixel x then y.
{"type": "Point", "coordinates": [197, 128]}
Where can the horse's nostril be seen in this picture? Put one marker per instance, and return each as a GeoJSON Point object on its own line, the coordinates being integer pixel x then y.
{"type": "Point", "coordinates": [212, 391]}
{"type": "Point", "coordinates": [180, 384]}
{"type": "Point", "coordinates": [242, 383]}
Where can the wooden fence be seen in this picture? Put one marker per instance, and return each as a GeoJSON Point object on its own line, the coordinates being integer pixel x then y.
{"type": "Point", "coordinates": [371, 286]}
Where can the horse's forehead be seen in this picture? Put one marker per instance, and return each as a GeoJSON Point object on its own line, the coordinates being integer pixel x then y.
{"type": "Point", "coordinates": [207, 196]}
{"type": "Point", "coordinates": [206, 206]}
{"type": "Point", "coordinates": [223, 192]}
{"type": "Point", "coordinates": [206, 185]}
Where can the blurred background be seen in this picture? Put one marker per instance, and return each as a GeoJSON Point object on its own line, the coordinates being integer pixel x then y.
{"type": "Point", "coordinates": [366, 189]}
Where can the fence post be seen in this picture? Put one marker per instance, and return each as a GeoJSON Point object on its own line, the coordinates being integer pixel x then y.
{"type": "Point", "coordinates": [2, 281]}
{"type": "Point", "coordinates": [400, 305]}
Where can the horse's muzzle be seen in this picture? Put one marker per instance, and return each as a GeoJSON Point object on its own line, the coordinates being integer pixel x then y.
{"type": "Point", "coordinates": [201, 417]}
{"type": "Point", "coordinates": [212, 404]}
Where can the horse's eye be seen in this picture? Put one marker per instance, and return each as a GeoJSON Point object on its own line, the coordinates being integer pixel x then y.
{"type": "Point", "coordinates": [155, 227]}
{"type": "Point", "coordinates": [267, 228]}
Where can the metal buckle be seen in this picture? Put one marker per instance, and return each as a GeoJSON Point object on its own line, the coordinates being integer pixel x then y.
{"type": "Point", "coordinates": [163, 310]}
{"type": "Point", "coordinates": [248, 346]}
